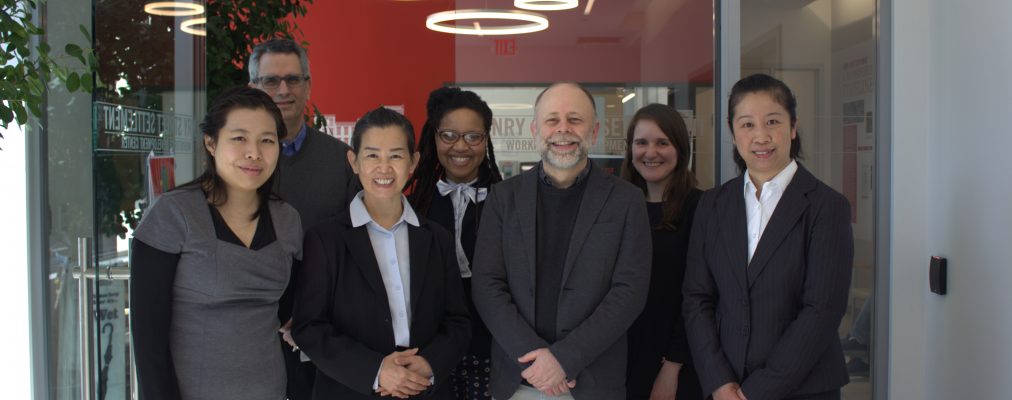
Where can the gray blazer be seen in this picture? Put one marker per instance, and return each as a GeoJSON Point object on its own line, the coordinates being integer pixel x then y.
{"type": "Point", "coordinates": [605, 281]}
{"type": "Point", "coordinates": [770, 325]}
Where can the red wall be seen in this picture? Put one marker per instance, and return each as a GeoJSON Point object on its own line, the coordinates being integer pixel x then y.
{"type": "Point", "coordinates": [370, 52]}
{"type": "Point", "coordinates": [362, 54]}
{"type": "Point", "coordinates": [680, 51]}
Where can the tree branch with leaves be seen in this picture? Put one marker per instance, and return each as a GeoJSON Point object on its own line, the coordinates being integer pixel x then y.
{"type": "Point", "coordinates": [30, 67]}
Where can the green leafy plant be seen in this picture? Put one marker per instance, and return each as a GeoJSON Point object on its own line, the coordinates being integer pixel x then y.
{"type": "Point", "coordinates": [29, 65]}
{"type": "Point", "coordinates": [234, 27]}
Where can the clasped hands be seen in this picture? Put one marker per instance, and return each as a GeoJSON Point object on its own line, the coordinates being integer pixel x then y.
{"type": "Point", "coordinates": [729, 391]}
{"type": "Point", "coordinates": [404, 374]}
{"type": "Point", "coordinates": [545, 373]}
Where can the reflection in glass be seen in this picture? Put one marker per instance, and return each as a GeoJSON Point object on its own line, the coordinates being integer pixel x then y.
{"type": "Point", "coordinates": [825, 51]}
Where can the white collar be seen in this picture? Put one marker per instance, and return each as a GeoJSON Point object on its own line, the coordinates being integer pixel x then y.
{"type": "Point", "coordinates": [781, 180]}
{"type": "Point", "coordinates": [360, 215]}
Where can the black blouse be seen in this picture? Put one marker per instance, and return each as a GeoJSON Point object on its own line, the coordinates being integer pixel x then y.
{"type": "Point", "coordinates": [659, 332]}
{"type": "Point", "coordinates": [441, 212]}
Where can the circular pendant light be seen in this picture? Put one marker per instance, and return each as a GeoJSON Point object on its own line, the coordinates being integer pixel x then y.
{"type": "Point", "coordinates": [446, 22]}
{"type": "Point", "coordinates": [187, 26]}
{"type": "Point", "coordinates": [173, 8]}
{"type": "Point", "coordinates": [545, 5]}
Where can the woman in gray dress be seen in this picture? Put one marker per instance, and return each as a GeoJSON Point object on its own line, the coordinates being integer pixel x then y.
{"type": "Point", "coordinates": [209, 262]}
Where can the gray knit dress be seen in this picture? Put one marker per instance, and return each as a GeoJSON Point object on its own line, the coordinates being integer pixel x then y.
{"type": "Point", "coordinates": [224, 331]}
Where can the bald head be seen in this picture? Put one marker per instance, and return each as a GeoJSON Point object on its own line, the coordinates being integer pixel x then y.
{"type": "Point", "coordinates": [565, 125]}
{"type": "Point", "coordinates": [569, 85]}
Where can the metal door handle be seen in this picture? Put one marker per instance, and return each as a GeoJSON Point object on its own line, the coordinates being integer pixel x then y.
{"type": "Point", "coordinates": [84, 260]}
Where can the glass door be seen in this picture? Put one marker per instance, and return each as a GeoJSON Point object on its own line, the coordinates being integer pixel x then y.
{"type": "Point", "coordinates": [825, 51]}
{"type": "Point", "coordinates": [111, 153]}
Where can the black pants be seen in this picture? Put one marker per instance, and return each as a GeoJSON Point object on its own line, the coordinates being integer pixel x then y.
{"type": "Point", "coordinates": [301, 375]}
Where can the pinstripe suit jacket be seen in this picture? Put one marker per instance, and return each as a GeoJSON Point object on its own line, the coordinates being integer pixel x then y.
{"type": "Point", "coordinates": [770, 325]}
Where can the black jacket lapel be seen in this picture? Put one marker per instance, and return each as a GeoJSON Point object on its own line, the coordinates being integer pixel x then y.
{"type": "Point", "coordinates": [419, 240]}
{"type": "Point", "coordinates": [357, 240]}
{"type": "Point", "coordinates": [734, 228]}
{"type": "Point", "coordinates": [526, 203]}
{"type": "Point", "coordinates": [791, 207]}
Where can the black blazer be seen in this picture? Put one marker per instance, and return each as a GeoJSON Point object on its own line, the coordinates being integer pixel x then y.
{"type": "Point", "coordinates": [342, 318]}
{"type": "Point", "coordinates": [770, 325]}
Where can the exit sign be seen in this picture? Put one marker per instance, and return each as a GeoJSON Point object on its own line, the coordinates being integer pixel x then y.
{"type": "Point", "coordinates": [505, 47]}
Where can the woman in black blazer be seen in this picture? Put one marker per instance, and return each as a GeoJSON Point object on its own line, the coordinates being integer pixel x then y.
{"type": "Point", "coordinates": [455, 170]}
{"type": "Point", "coordinates": [379, 306]}
{"type": "Point", "coordinates": [769, 263]}
{"type": "Point", "coordinates": [657, 154]}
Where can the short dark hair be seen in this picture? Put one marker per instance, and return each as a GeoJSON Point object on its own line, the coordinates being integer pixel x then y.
{"type": "Point", "coordinates": [683, 180]}
{"type": "Point", "coordinates": [276, 46]}
{"type": "Point", "coordinates": [429, 171]}
{"type": "Point", "coordinates": [382, 117]}
{"type": "Point", "coordinates": [241, 97]}
{"type": "Point", "coordinates": [593, 104]}
{"type": "Point", "coordinates": [780, 93]}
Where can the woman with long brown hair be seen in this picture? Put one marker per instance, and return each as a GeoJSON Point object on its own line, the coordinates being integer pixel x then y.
{"type": "Point", "coordinates": [657, 160]}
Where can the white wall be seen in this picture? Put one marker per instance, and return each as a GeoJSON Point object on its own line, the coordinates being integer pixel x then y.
{"type": "Point", "coordinates": [15, 381]}
{"type": "Point", "coordinates": [952, 196]}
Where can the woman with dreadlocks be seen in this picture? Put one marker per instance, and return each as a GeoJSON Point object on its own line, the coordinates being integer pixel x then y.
{"type": "Point", "coordinates": [449, 186]}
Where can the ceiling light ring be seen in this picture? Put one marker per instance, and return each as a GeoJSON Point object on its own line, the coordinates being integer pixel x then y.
{"type": "Point", "coordinates": [546, 5]}
{"type": "Point", "coordinates": [173, 8]}
{"type": "Point", "coordinates": [187, 26]}
{"type": "Point", "coordinates": [535, 22]}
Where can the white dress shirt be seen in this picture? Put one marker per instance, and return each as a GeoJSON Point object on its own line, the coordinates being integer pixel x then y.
{"type": "Point", "coordinates": [391, 247]}
{"type": "Point", "coordinates": [759, 210]}
{"type": "Point", "coordinates": [393, 258]}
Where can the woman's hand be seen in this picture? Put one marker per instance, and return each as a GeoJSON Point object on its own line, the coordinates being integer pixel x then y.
{"type": "Point", "coordinates": [286, 334]}
{"type": "Point", "coordinates": [399, 381]}
{"type": "Point", "coordinates": [666, 383]}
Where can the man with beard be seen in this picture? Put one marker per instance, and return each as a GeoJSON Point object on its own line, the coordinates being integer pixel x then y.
{"type": "Point", "coordinates": [562, 264]}
{"type": "Point", "coordinates": [313, 171]}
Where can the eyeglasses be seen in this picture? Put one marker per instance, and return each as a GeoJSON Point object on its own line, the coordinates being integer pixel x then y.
{"type": "Point", "coordinates": [274, 81]}
{"type": "Point", "coordinates": [470, 138]}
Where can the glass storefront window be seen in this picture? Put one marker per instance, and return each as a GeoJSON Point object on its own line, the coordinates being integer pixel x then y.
{"type": "Point", "coordinates": [628, 54]}
{"type": "Point", "coordinates": [104, 151]}
{"type": "Point", "coordinates": [513, 112]}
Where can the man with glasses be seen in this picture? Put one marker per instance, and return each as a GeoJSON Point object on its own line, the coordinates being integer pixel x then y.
{"type": "Point", "coordinates": [313, 172]}
{"type": "Point", "coordinates": [563, 263]}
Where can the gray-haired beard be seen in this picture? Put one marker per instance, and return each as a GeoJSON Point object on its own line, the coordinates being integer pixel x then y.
{"type": "Point", "coordinates": [566, 160]}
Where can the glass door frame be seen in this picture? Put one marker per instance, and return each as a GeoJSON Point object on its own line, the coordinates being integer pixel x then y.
{"type": "Point", "coordinates": [728, 70]}
{"type": "Point", "coordinates": [56, 343]}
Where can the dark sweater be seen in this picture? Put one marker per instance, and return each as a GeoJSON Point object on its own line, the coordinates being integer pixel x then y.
{"type": "Point", "coordinates": [317, 181]}
{"type": "Point", "coordinates": [557, 211]}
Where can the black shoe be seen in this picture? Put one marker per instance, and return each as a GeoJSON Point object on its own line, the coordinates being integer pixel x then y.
{"type": "Point", "coordinates": [858, 368]}
{"type": "Point", "coordinates": [851, 345]}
